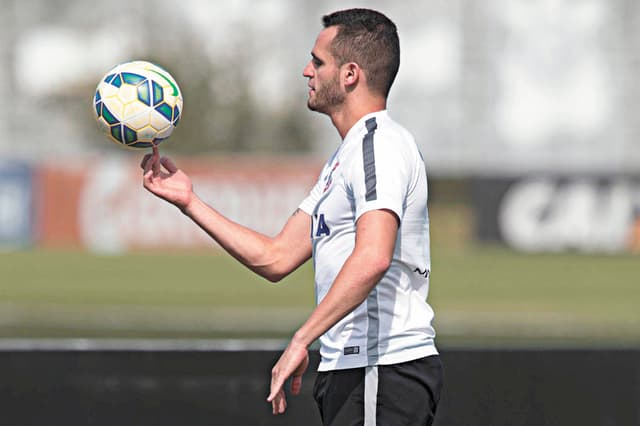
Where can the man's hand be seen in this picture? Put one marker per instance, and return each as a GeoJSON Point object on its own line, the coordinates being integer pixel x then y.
{"type": "Point", "coordinates": [292, 363]}
{"type": "Point", "coordinates": [173, 185]}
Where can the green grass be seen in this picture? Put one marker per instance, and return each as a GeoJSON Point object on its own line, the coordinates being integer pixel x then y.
{"type": "Point", "coordinates": [143, 279]}
{"type": "Point", "coordinates": [487, 294]}
{"type": "Point", "coordinates": [481, 295]}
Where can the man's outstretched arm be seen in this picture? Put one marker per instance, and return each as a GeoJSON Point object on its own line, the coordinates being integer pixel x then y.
{"type": "Point", "coordinates": [270, 257]}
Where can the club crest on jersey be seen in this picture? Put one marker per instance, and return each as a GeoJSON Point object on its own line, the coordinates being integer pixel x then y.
{"type": "Point", "coordinates": [329, 179]}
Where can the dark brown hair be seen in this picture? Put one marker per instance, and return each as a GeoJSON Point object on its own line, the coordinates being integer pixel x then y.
{"type": "Point", "coordinates": [370, 39]}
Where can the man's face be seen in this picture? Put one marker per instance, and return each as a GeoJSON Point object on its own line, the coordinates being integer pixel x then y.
{"type": "Point", "coordinates": [325, 91]}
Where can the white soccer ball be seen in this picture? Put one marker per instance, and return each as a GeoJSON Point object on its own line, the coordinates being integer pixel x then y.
{"type": "Point", "coordinates": [138, 104]}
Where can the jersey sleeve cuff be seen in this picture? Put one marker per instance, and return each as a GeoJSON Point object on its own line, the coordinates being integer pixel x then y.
{"type": "Point", "coordinates": [379, 205]}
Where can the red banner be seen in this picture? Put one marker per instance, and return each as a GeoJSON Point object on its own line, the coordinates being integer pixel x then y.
{"type": "Point", "coordinates": [102, 205]}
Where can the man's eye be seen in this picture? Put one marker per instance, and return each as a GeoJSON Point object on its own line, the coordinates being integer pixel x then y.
{"type": "Point", "coordinates": [316, 62]}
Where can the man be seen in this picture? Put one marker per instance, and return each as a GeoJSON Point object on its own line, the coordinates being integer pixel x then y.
{"type": "Point", "coordinates": [369, 240]}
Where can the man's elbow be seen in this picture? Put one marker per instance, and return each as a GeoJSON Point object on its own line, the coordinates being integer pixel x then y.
{"type": "Point", "coordinates": [274, 277]}
{"type": "Point", "coordinates": [273, 274]}
{"type": "Point", "coordinates": [380, 263]}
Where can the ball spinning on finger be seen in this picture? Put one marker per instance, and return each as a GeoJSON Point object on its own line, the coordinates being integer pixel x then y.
{"type": "Point", "coordinates": [138, 104]}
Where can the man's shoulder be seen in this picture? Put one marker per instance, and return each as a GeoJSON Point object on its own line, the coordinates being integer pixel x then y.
{"type": "Point", "coordinates": [394, 140]}
{"type": "Point", "coordinates": [384, 133]}
{"type": "Point", "coordinates": [389, 127]}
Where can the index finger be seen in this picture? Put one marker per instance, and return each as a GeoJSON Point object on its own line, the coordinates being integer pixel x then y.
{"type": "Point", "coordinates": [276, 386]}
{"type": "Point", "coordinates": [156, 160]}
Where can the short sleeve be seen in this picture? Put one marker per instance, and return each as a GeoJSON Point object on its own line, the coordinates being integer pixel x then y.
{"type": "Point", "coordinates": [308, 205]}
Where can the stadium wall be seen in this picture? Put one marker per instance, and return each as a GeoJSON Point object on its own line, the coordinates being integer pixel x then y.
{"type": "Point", "coordinates": [206, 386]}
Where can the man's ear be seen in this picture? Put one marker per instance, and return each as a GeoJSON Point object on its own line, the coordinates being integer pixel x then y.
{"type": "Point", "coordinates": [351, 74]}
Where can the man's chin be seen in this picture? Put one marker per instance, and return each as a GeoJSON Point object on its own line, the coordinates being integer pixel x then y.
{"type": "Point", "coordinates": [321, 108]}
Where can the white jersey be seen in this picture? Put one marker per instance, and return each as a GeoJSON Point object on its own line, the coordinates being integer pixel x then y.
{"type": "Point", "coordinates": [377, 166]}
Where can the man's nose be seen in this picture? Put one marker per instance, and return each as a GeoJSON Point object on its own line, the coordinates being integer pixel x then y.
{"type": "Point", "coordinates": [308, 70]}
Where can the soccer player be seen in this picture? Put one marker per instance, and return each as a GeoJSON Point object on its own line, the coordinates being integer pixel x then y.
{"type": "Point", "coordinates": [369, 226]}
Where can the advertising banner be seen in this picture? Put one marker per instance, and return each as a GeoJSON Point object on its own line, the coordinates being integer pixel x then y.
{"type": "Point", "coordinates": [102, 206]}
{"type": "Point", "coordinates": [554, 213]}
{"type": "Point", "coordinates": [16, 204]}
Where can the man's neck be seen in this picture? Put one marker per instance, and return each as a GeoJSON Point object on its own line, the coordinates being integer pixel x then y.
{"type": "Point", "coordinates": [348, 115]}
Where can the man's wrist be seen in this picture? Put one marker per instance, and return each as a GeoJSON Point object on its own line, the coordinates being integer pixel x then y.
{"type": "Point", "coordinates": [188, 208]}
{"type": "Point", "coordinates": [300, 338]}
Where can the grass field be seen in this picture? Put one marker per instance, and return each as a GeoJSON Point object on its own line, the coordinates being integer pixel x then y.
{"type": "Point", "coordinates": [482, 296]}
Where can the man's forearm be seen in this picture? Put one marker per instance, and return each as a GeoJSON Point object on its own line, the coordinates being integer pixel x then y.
{"type": "Point", "coordinates": [353, 284]}
{"type": "Point", "coordinates": [246, 245]}
{"type": "Point", "coordinates": [269, 257]}
{"type": "Point", "coordinates": [371, 257]}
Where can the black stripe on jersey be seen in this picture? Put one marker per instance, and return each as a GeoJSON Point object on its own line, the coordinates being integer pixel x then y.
{"type": "Point", "coordinates": [369, 160]}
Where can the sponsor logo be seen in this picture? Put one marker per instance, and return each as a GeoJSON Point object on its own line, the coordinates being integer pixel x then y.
{"type": "Point", "coordinates": [319, 226]}
{"type": "Point", "coordinates": [590, 215]}
{"type": "Point", "coordinates": [425, 273]}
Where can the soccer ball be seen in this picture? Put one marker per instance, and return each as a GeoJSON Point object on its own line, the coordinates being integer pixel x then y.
{"type": "Point", "coordinates": [138, 104]}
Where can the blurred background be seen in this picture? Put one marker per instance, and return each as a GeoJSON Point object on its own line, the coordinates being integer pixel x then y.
{"type": "Point", "coordinates": [525, 110]}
